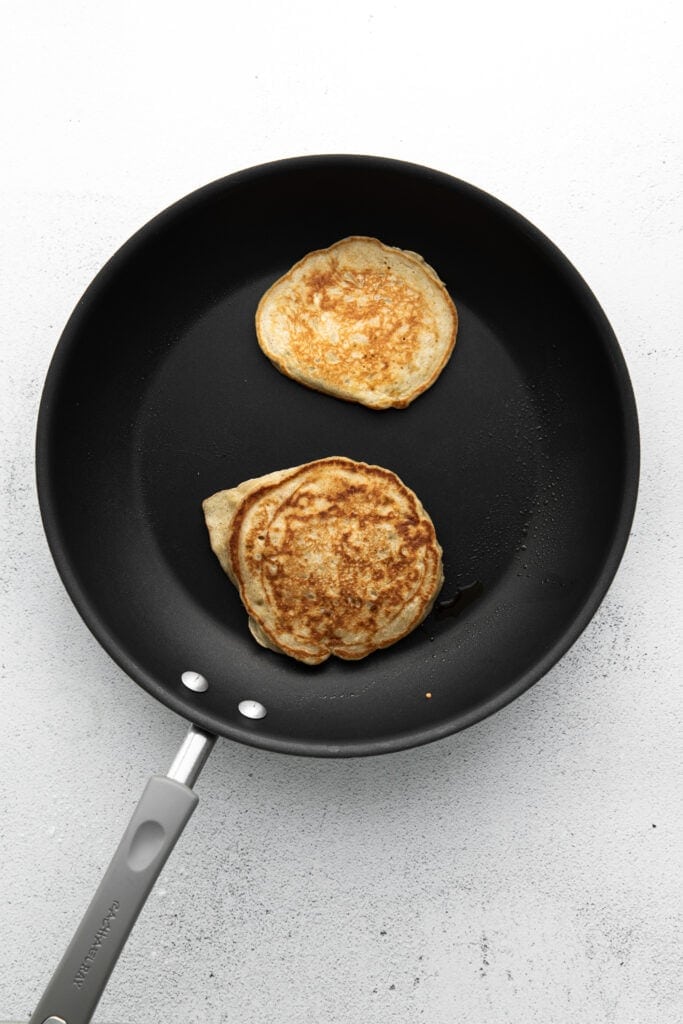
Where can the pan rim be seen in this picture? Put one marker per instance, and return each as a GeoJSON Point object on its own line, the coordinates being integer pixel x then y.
{"type": "Point", "coordinates": [398, 741]}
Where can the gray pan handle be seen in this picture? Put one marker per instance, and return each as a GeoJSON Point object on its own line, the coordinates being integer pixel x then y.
{"type": "Point", "coordinates": [158, 820]}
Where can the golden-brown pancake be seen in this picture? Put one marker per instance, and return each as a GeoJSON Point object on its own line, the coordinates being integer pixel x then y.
{"type": "Point", "coordinates": [361, 320]}
{"type": "Point", "coordinates": [332, 557]}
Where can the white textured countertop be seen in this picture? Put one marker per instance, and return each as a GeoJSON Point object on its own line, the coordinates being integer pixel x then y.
{"type": "Point", "coordinates": [523, 871]}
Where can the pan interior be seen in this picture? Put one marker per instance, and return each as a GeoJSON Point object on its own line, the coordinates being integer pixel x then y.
{"type": "Point", "coordinates": [522, 452]}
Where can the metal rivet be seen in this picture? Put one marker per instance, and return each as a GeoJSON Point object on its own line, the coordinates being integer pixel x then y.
{"type": "Point", "coordinates": [194, 681]}
{"type": "Point", "coordinates": [252, 709]}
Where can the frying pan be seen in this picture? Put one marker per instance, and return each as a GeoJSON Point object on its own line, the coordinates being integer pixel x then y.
{"type": "Point", "coordinates": [525, 453]}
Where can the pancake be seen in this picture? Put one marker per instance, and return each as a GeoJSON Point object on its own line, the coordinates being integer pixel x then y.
{"type": "Point", "coordinates": [334, 557]}
{"type": "Point", "coordinates": [361, 320]}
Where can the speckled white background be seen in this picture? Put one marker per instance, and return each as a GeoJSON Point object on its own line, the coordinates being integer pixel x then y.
{"type": "Point", "coordinates": [523, 871]}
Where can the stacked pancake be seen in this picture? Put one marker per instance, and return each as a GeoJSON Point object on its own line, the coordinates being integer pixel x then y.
{"type": "Point", "coordinates": [332, 557]}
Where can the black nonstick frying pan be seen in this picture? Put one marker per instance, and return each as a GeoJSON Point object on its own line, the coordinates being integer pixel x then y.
{"type": "Point", "coordinates": [525, 453]}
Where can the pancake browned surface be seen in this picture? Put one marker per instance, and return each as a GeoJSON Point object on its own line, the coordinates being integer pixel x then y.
{"type": "Point", "coordinates": [361, 320]}
{"type": "Point", "coordinates": [333, 557]}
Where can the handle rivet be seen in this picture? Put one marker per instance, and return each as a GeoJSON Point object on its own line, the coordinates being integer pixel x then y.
{"type": "Point", "coordinates": [194, 681]}
{"type": "Point", "coordinates": [251, 709]}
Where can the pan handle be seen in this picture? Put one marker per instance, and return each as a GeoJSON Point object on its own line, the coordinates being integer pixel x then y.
{"type": "Point", "coordinates": [158, 820]}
